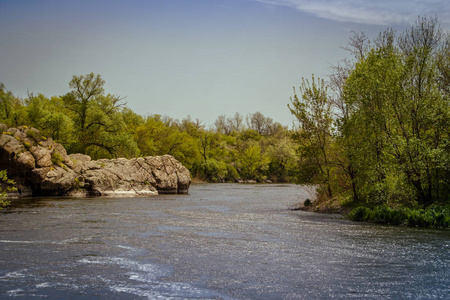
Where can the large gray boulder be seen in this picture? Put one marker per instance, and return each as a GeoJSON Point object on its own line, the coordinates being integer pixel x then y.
{"type": "Point", "coordinates": [42, 167]}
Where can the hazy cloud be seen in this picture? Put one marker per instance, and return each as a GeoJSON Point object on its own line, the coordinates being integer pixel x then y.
{"type": "Point", "coordinates": [379, 12]}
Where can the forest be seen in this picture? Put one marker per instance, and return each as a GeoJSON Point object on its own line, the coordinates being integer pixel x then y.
{"type": "Point", "coordinates": [374, 136]}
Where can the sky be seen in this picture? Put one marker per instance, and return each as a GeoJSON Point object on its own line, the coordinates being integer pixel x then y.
{"type": "Point", "coordinates": [197, 58]}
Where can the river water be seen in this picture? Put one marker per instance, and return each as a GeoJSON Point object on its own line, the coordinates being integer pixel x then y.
{"type": "Point", "coordinates": [222, 241]}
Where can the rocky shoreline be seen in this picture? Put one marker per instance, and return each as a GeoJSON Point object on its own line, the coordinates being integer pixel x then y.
{"type": "Point", "coordinates": [42, 167]}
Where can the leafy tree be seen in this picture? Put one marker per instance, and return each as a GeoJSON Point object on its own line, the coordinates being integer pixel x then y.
{"type": "Point", "coordinates": [6, 103]}
{"type": "Point", "coordinates": [85, 91]}
{"type": "Point", "coordinates": [396, 129]}
{"type": "Point", "coordinates": [191, 127]}
{"type": "Point", "coordinates": [48, 116]}
{"type": "Point", "coordinates": [443, 64]}
{"type": "Point", "coordinates": [314, 115]}
{"type": "Point", "coordinates": [158, 137]}
{"type": "Point", "coordinates": [283, 159]}
{"type": "Point", "coordinates": [252, 162]}
{"type": "Point", "coordinates": [131, 119]}
{"type": "Point", "coordinates": [98, 119]}
{"type": "Point", "coordinates": [11, 108]}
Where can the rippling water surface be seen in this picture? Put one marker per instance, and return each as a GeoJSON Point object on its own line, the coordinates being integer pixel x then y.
{"type": "Point", "coordinates": [222, 241]}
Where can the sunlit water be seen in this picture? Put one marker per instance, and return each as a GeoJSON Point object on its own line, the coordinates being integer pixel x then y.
{"type": "Point", "coordinates": [222, 241]}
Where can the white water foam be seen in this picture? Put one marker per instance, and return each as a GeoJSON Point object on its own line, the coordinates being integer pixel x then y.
{"type": "Point", "coordinates": [14, 275]}
{"type": "Point", "coordinates": [15, 293]}
{"type": "Point", "coordinates": [18, 242]}
{"type": "Point", "coordinates": [144, 281]}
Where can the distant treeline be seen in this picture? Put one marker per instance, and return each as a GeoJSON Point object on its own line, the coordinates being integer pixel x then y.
{"type": "Point", "coordinates": [88, 120]}
{"type": "Point", "coordinates": [376, 133]}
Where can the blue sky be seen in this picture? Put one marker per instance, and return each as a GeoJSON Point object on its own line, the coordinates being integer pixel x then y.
{"type": "Point", "coordinates": [202, 58]}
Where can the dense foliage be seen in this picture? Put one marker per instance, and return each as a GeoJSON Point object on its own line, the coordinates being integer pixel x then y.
{"type": "Point", "coordinates": [434, 217]}
{"type": "Point", "coordinates": [381, 136]}
{"type": "Point", "coordinates": [87, 120]}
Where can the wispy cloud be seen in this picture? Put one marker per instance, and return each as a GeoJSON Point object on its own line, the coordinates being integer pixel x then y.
{"type": "Point", "coordinates": [377, 12]}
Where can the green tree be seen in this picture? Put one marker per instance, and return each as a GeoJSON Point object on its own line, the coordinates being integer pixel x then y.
{"type": "Point", "coordinates": [11, 108]}
{"type": "Point", "coordinates": [283, 159]}
{"type": "Point", "coordinates": [85, 91]}
{"type": "Point", "coordinates": [253, 163]}
{"type": "Point", "coordinates": [314, 134]}
{"type": "Point", "coordinates": [98, 120]}
{"type": "Point", "coordinates": [397, 131]}
{"type": "Point", "coordinates": [158, 137]}
{"type": "Point", "coordinates": [49, 117]}
{"type": "Point", "coordinates": [443, 64]}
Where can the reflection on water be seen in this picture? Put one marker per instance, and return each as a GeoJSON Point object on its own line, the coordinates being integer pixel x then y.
{"type": "Point", "coordinates": [223, 241]}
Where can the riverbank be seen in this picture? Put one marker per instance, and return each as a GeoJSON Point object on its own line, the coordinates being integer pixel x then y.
{"type": "Point", "coordinates": [430, 217]}
{"type": "Point", "coordinates": [326, 206]}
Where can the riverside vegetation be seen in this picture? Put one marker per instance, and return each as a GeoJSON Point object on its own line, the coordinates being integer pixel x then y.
{"type": "Point", "coordinates": [375, 137]}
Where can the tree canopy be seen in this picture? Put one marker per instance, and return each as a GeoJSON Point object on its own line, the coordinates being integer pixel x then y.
{"type": "Point", "coordinates": [388, 140]}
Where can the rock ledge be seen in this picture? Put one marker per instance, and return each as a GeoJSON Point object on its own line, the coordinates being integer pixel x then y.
{"type": "Point", "coordinates": [42, 167]}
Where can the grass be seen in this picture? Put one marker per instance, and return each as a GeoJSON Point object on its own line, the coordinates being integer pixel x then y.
{"type": "Point", "coordinates": [432, 217]}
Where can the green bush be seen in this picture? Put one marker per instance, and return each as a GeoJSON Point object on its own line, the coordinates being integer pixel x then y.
{"type": "Point", "coordinates": [10, 187]}
{"type": "Point", "coordinates": [33, 134]}
{"type": "Point", "coordinates": [231, 173]}
{"type": "Point", "coordinates": [57, 158]}
{"type": "Point", "coordinates": [433, 217]}
{"type": "Point", "coordinates": [214, 170]}
{"type": "Point", "coordinates": [360, 214]}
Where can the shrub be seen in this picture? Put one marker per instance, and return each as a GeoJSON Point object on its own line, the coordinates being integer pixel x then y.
{"type": "Point", "coordinates": [360, 214]}
{"type": "Point", "coordinates": [213, 170]}
{"type": "Point", "coordinates": [78, 184]}
{"type": "Point", "coordinates": [33, 134]}
{"type": "Point", "coordinates": [434, 217]}
{"type": "Point", "coordinates": [10, 187]}
{"type": "Point", "coordinates": [57, 158]}
{"type": "Point", "coordinates": [231, 173]}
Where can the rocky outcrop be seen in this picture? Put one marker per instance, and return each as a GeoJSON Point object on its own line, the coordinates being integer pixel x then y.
{"type": "Point", "coordinates": [42, 167]}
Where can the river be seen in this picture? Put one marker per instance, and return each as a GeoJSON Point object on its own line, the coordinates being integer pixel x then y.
{"type": "Point", "coordinates": [222, 241]}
